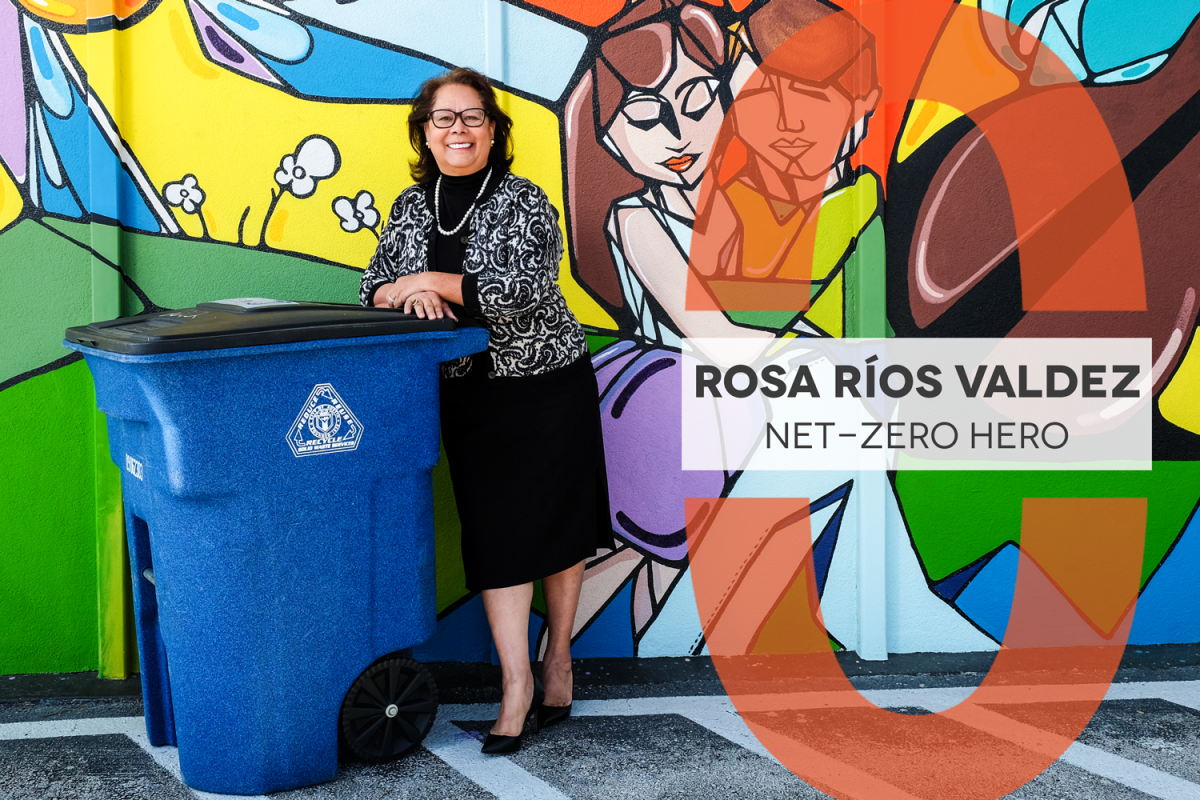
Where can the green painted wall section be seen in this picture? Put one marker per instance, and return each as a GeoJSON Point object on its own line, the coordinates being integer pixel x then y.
{"type": "Point", "coordinates": [48, 548]}
{"type": "Point", "coordinates": [46, 283]}
{"type": "Point", "coordinates": [956, 517]}
{"type": "Point", "coordinates": [179, 273]}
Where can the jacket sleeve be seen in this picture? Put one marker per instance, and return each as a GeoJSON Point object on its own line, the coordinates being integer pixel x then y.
{"type": "Point", "coordinates": [388, 264]}
{"type": "Point", "coordinates": [529, 265]}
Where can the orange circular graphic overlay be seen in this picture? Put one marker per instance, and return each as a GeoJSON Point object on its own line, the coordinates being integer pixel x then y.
{"type": "Point", "coordinates": [795, 135]}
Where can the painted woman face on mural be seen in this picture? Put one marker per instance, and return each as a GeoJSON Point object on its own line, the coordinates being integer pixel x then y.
{"type": "Point", "coordinates": [665, 134]}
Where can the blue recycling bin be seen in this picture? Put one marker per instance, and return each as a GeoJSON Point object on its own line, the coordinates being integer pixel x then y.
{"type": "Point", "coordinates": [277, 462]}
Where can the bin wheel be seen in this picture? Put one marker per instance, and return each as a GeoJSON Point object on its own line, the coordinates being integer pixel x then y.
{"type": "Point", "coordinates": [388, 710]}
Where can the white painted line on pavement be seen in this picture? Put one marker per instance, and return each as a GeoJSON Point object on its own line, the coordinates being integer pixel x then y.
{"type": "Point", "coordinates": [1125, 771]}
{"type": "Point", "coordinates": [133, 727]}
{"type": "Point", "coordinates": [1146, 779]}
{"type": "Point", "coordinates": [51, 729]}
{"type": "Point", "coordinates": [1184, 693]}
{"type": "Point", "coordinates": [168, 758]}
{"type": "Point", "coordinates": [496, 774]}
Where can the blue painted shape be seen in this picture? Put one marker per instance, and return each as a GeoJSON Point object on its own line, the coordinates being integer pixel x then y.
{"type": "Point", "coordinates": [676, 629]}
{"type": "Point", "coordinates": [987, 599]}
{"type": "Point", "coordinates": [49, 76]}
{"type": "Point", "coordinates": [233, 15]}
{"type": "Point", "coordinates": [462, 635]}
{"type": "Point", "coordinates": [1020, 9]}
{"type": "Point", "coordinates": [344, 68]}
{"type": "Point", "coordinates": [1055, 38]}
{"type": "Point", "coordinates": [1117, 33]}
{"type": "Point", "coordinates": [541, 54]}
{"type": "Point", "coordinates": [826, 543]}
{"type": "Point", "coordinates": [997, 7]}
{"type": "Point", "coordinates": [1168, 611]}
{"type": "Point", "coordinates": [1134, 71]}
{"type": "Point", "coordinates": [1068, 14]}
{"type": "Point", "coordinates": [269, 33]}
{"type": "Point", "coordinates": [948, 588]}
{"type": "Point", "coordinates": [56, 199]}
{"type": "Point", "coordinates": [45, 148]}
{"type": "Point", "coordinates": [94, 169]}
{"type": "Point", "coordinates": [611, 635]}
{"type": "Point", "coordinates": [278, 579]}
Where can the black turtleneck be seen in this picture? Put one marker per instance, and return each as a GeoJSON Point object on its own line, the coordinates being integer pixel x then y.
{"type": "Point", "coordinates": [457, 195]}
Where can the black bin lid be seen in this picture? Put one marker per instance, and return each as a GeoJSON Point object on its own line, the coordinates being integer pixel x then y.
{"type": "Point", "coordinates": [244, 322]}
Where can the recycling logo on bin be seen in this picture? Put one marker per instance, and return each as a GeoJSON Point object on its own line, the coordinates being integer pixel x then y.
{"type": "Point", "coordinates": [325, 425]}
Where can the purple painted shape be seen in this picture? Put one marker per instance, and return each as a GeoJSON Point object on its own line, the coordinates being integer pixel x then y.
{"type": "Point", "coordinates": [13, 117]}
{"type": "Point", "coordinates": [641, 416]}
{"type": "Point", "coordinates": [224, 49]}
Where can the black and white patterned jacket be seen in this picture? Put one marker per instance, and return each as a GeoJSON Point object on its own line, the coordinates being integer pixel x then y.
{"type": "Point", "coordinates": [509, 272]}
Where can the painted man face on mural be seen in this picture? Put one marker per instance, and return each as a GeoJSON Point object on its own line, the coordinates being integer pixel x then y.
{"type": "Point", "coordinates": [793, 125]}
{"type": "Point", "coordinates": [665, 133]}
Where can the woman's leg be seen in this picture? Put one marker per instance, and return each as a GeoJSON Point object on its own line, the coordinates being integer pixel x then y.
{"type": "Point", "coordinates": [562, 600]}
{"type": "Point", "coordinates": [508, 615]}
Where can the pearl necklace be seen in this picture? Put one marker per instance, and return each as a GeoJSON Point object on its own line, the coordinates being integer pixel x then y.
{"type": "Point", "coordinates": [437, 205]}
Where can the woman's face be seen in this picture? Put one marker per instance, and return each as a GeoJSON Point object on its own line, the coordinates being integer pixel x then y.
{"type": "Point", "coordinates": [459, 149]}
{"type": "Point", "coordinates": [794, 126]}
{"type": "Point", "coordinates": [666, 134]}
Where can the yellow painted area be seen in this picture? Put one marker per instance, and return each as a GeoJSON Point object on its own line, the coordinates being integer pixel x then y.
{"type": "Point", "coordinates": [1180, 401]}
{"type": "Point", "coordinates": [537, 156]}
{"type": "Point", "coordinates": [826, 312]}
{"type": "Point", "coordinates": [114, 594]}
{"type": "Point", "coordinates": [182, 114]}
{"type": "Point", "coordinates": [842, 217]}
{"type": "Point", "coordinates": [11, 202]}
{"type": "Point", "coordinates": [926, 118]}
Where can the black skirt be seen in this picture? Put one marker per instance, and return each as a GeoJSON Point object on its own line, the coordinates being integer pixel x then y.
{"type": "Point", "coordinates": [527, 464]}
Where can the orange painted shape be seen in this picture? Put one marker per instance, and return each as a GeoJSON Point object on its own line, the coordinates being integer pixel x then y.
{"type": "Point", "coordinates": [78, 12]}
{"type": "Point", "coordinates": [588, 12]}
{"type": "Point", "coordinates": [749, 559]}
{"type": "Point", "coordinates": [68, 12]}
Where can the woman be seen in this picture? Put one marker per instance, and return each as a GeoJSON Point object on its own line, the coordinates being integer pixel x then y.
{"type": "Point", "coordinates": [520, 424]}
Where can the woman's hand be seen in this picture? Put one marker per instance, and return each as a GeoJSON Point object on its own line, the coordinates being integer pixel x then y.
{"type": "Point", "coordinates": [428, 305]}
{"type": "Point", "coordinates": [441, 286]}
{"type": "Point", "coordinates": [394, 295]}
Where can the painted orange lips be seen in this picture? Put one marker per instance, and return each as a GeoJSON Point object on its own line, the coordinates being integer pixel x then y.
{"type": "Point", "coordinates": [680, 163]}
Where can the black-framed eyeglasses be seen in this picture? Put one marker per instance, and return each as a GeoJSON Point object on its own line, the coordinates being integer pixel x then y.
{"type": "Point", "coordinates": [444, 117]}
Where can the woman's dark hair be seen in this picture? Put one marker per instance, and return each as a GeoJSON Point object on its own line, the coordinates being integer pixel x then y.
{"type": "Point", "coordinates": [425, 168]}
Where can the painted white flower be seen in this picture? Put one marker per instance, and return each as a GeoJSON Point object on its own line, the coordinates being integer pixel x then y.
{"type": "Point", "coordinates": [314, 159]}
{"type": "Point", "coordinates": [358, 213]}
{"type": "Point", "coordinates": [185, 193]}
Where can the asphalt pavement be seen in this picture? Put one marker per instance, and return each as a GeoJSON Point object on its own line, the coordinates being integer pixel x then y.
{"type": "Point", "coordinates": [642, 728]}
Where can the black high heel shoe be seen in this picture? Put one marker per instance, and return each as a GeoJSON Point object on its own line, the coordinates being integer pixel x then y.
{"type": "Point", "coordinates": [552, 715]}
{"type": "Point", "coordinates": [497, 745]}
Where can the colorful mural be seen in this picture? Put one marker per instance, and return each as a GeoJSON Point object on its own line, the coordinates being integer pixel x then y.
{"type": "Point", "coordinates": [769, 168]}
